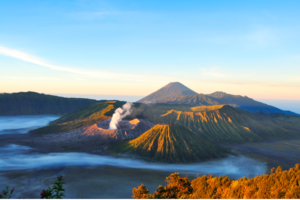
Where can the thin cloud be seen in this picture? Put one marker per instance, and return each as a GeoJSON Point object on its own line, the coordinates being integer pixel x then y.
{"type": "Point", "coordinates": [79, 71]}
{"type": "Point", "coordinates": [267, 84]}
{"type": "Point", "coordinates": [93, 15]}
{"type": "Point", "coordinates": [261, 36]}
{"type": "Point", "coordinates": [213, 72]}
{"type": "Point", "coordinates": [35, 78]}
{"type": "Point", "coordinates": [103, 14]}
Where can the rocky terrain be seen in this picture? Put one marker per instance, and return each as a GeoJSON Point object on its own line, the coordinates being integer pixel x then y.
{"type": "Point", "coordinates": [92, 139]}
{"type": "Point", "coordinates": [127, 130]}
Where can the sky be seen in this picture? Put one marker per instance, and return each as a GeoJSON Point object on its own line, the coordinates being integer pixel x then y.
{"type": "Point", "coordinates": [132, 48]}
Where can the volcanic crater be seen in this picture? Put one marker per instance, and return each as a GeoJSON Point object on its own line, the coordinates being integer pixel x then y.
{"type": "Point", "coordinates": [127, 130]}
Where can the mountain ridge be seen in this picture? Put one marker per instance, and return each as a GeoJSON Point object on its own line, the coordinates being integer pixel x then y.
{"type": "Point", "coordinates": [33, 103]}
{"type": "Point", "coordinates": [216, 98]}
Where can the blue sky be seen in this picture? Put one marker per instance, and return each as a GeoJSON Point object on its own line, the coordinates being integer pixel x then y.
{"type": "Point", "coordinates": [133, 47]}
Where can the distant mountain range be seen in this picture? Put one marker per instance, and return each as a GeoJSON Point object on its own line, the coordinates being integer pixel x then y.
{"type": "Point", "coordinates": [177, 93]}
{"type": "Point", "coordinates": [32, 103]}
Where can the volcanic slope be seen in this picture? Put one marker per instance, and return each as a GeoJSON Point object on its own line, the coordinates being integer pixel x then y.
{"type": "Point", "coordinates": [222, 123]}
{"type": "Point", "coordinates": [170, 143]}
{"type": "Point", "coordinates": [100, 132]}
{"type": "Point", "coordinates": [87, 116]}
{"type": "Point", "coordinates": [170, 91]}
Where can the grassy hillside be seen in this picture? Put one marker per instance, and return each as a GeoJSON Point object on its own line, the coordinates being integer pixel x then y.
{"type": "Point", "coordinates": [287, 118]}
{"type": "Point", "coordinates": [83, 117]}
{"type": "Point", "coordinates": [226, 124]}
{"type": "Point", "coordinates": [193, 100]}
{"type": "Point", "coordinates": [170, 143]}
{"type": "Point", "coordinates": [151, 111]}
{"type": "Point", "coordinates": [32, 103]}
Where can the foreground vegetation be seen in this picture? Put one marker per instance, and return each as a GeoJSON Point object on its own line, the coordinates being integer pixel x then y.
{"type": "Point", "coordinates": [55, 192]}
{"type": "Point", "coordinates": [277, 185]}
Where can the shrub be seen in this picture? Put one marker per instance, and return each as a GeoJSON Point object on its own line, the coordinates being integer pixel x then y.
{"type": "Point", "coordinates": [277, 185]}
{"type": "Point", "coordinates": [56, 192]}
{"type": "Point", "coordinates": [6, 193]}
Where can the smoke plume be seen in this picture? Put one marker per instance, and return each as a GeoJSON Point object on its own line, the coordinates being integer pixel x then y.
{"type": "Point", "coordinates": [119, 114]}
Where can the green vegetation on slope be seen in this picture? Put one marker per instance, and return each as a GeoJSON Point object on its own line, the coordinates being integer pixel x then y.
{"type": "Point", "coordinates": [170, 143]}
{"type": "Point", "coordinates": [287, 118]}
{"type": "Point", "coordinates": [32, 103]}
{"type": "Point", "coordinates": [227, 124]}
{"type": "Point", "coordinates": [277, 185]}
{"type": "Point", "coordinates": [152, 111]}
{"type": "Point", "coordinates": [81, 118]}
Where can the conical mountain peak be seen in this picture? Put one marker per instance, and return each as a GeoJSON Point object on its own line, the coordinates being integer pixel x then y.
{"type": "Point", "coordinates": [169, 91]}
{"type": "Point", "coordinates": [176, 85]}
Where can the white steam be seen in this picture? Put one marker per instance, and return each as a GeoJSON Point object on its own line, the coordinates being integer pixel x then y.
{"type": "Point", "coordinates": [119, 114]}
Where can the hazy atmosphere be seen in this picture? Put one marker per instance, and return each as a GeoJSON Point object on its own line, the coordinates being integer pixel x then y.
{"type": "Point", "coordinates": [100, 47]}
{"type": "Point", "coordinates": [149, 99]}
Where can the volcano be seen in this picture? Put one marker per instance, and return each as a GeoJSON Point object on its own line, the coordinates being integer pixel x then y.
{"type": "Point", "coordinates": [170, 91]}
{"type": "Point", "coordinates": [172, 144]}
{"type": "Point", "coordinates": [100, 132]}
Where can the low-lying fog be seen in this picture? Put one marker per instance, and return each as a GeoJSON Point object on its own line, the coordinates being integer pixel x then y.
{"type": "Point", "coordinates": [25, 123]}
{"type": "Point", "coordinates": [16, 157]}
{"type": "Point", "coordinates": [98, 176]}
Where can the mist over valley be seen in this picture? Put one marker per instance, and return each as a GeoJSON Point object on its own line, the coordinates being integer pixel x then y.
{"type": "Point", "coordinates": [171, 130]}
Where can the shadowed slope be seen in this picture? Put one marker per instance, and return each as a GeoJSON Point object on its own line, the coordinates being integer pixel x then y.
{"type": "Point", "coordinates": [219, 98]}
{"type": "Point", "coordinates": [287, 118]}
{"type": "Point", "coordinates": [170, 91]}
{"type": "Point", "coordinates": [245, 103]}
{"type": "Point", "coordinates": [226, 124]}
{"type": "Point", "coordinates": [32, 103]}
{"type": "Point", "coordinates": [194, 100]}
{"type": "Point", "coordinates": [170, 143]}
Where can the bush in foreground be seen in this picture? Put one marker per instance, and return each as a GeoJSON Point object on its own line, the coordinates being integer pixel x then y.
{"type": "Point", "coordinates": [277, 185]}
{"type": "Point", "coordinates": [56, 192]}
{"type": "Point", "coordinates": [6, 194]}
